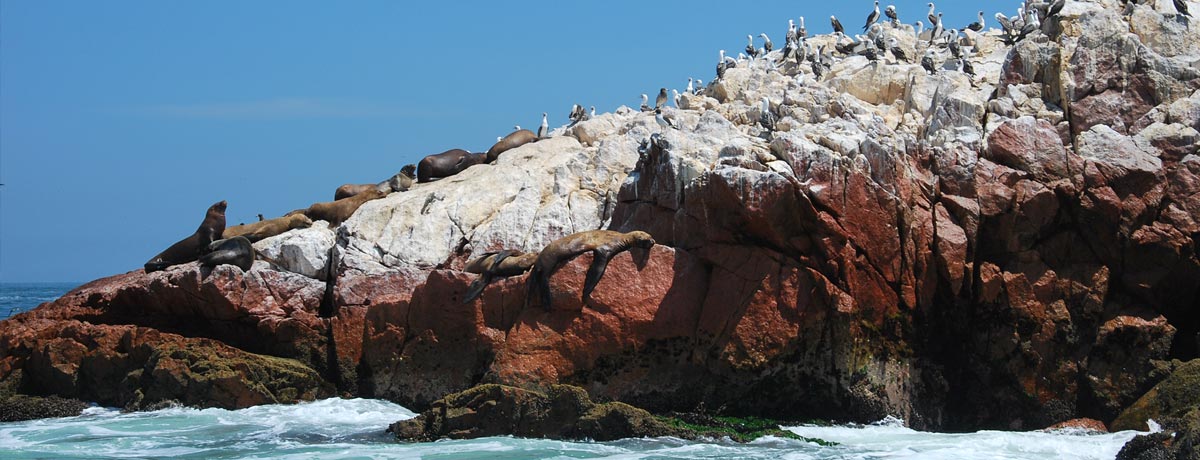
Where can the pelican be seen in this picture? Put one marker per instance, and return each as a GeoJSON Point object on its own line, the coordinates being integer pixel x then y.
{"type": "Point", "coordinates": [750, 49]}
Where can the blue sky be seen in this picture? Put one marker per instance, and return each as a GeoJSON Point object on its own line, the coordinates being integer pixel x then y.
{"type": "Point", "coordinates": [122, 121]}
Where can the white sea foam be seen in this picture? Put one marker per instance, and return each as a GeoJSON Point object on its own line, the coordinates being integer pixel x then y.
{"type": "Point", "coordinates": [354, 429]}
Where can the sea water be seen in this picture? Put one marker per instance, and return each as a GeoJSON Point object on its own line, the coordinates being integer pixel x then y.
{"type": "Point", "coordinates": [354, 429]}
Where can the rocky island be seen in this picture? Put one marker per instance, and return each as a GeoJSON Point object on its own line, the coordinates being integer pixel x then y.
{"type": "Point", "coordinates": [1006, 250]}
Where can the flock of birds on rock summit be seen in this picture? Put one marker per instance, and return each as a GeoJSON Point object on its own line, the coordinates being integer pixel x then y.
{"type": "Point", "coordinates": [941, 49]}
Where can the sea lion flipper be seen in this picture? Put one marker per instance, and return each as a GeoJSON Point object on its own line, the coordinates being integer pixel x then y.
{"type": "Point", "coordinates": [595, 272]}
{"type": "Point", "coordinates": [477, 287]}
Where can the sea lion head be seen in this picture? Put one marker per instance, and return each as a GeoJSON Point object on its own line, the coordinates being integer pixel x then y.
{"type": "Point", "coordinates": [218, 207]}
{"type": "Point", "coordinates": [409, 170]}
{"type": "Point", "coordinates": [641, 239]}
{"type": "Point", "coordinates": [299, 221]}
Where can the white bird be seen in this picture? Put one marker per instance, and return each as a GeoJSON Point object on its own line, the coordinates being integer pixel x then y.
{"type": "Point", "coordinates": [690, 88]}
{"type": "Point", "coordinates": [593, 111]}
{"type": "Point", "coordinates": [767, 45]}
{"type": "Point", "coordinates": [802, 32]}
{"type": "Point", "coordinates": [664, 121]}
{"type": "Point", "coordinates": [931, 16]}
{"type": "Point", "coordinates": [544, 129]}
{"type": "Point", "coordinates": [675, 97]}
{"type": "Point", "coordinates": [978, 26]}
{"type": "Point", "coordinates": [871, 18]}
{"type": "Point", "coordinates": [646, 103]}
{"type": "Point", "coordinates": [765, 117]}
{"type": "Point", "coordinates": [516, 127]}
{"type": "Point", "coordinates": [699, 85]}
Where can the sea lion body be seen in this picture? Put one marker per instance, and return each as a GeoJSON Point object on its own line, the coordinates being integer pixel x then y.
{"type": "Point", "coordinates": [336, 212]}
{"type": "Point", "coordinates": [446, 164]}
{"type": "Point", "coordinates": [268, 228]}
{"type": "Point", "coordinates": [602, 243]}
{"type": "Point", "coordinates": [493, 264]}
{"type": "Point", "coordinates": [235, 251]}
{"type": "Point", "coordinates": [515, 139]}
{"type": "Point", "coordinates": [400, 182]}
{"type": "Point", "coordinates": [192, 247]}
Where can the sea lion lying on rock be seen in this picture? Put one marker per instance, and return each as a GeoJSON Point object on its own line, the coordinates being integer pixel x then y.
{"type": "Point", "coordinates": [231, 251]}
{"type": "Point", "coordinates": [515, 139]}
{"type": "Point", "coordinates": [336, 212]}
{"type": "Point", "coordinates": [602, 243]}
{"type": "Point", "coordinates": [268, 228]}
{"type": "Point", "coordinates": [493, 264]}
{"type": "Point", "coordinates": [192, 247]}
{"type": "Point", "coordinates": [446, 164]}
{"type": "Point", "coordinates": [400, 182]}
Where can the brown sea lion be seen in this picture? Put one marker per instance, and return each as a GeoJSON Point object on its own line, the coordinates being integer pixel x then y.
{"type": "Point", "coordinates": [268, 228]}
{"type": "Point", "coordinates": [602, 243]}
{"type": "Point", "coordinates": [400, 182]}
{"type": "Point", "coordinates": [336, 212]}
{"type": "Point", "coordinates": [446, 164]}
{"type": "Point", "coordinates": [190, 248]}
{"type": "Point", "coordinates": [515, 139]}
{"type": "Point", "coordinates": [493, 264]}
{"type": "Point", "coordinates": [230, 251]}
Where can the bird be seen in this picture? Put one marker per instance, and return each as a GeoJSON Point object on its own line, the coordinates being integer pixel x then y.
{"type": "Point", "coordinates": [765, 118]}
{"type": "Point", "coordinates": [952, 43]}
{"type": "Point", "coordinates": [544, 129]}
{"type": "Point", "coordinates": [871, 18]}
{"type": "Point", "coordinates": [978, 25]}
{"type": "Point", "coordinates": [1181, 7]}
{"type": "Point", "coordinates": [937, 29]}
{"type": "Point", "coordinates": [646, 103]}
{"type": "Point", "coordinates": [661, 99]}
{"type": "Point", "coordinates": [664, 121]}
{"type": "Point", "coordinates": [1058, 5]}
{"type": "Point", "coordinates": [927, 62]}
{"type": "Point", "coordinates": [918, 27]}
{"type": "Point", "coordinates": [837, 25]}
{"type": "Point", "coordinates": [516, 127]}
{"type": "Point", "coordinates": [593, 114]}
{"type": "Point", "coordinates": [721, 66]}
{"type": "Point", "coordinates": [817, 68]}
{"type": "Point", "coordinates": [690, 88]}
{"type": "Point", "coordinates": [891, 14]}
{"type": "Point", "coordinates": [767, 45]}
{"type": "Point", "coordinates": [699, 85]}
{"type": "Point", "coordinates": [931, 16]}
{"type": "Point", "coordinates": [801, 31]}
{"type": "Point", "coordinates": [750, 49]}
{"type": "Point", "coordinates": [791, 33]}
{"type": "Point", "coordinates": [675, 97]}
{"type": "Point", "coordinates": [898, 51]}
{"type": "Point", "coordinates": [966, 67]}
{"type": "Point", "coordinates": [260, 217]}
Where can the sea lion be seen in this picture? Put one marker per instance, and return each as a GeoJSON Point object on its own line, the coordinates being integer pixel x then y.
{"type": "Point", "coordinates": [336, 212]}
{"type": "Point", "coordinates": [190, 248]}
{"type": "Point", "coordinates": [400, 182]}
{"type": "Point", "coordinates": [603, 243]}
{"type": "Point", "coordinates": [446, 164]}
{"type": "Point", "coordinates": [493, 264]}
{"type": "Point", "coordinates": [513, 140]}
{"type": "Point", "coordinates": [268, 228]}
{"type": "Point", "coordinates": [230, 251]}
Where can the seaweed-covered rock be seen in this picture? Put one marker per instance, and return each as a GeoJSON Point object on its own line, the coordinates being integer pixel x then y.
{"type": "Point", "coordinates": [1175, 404]}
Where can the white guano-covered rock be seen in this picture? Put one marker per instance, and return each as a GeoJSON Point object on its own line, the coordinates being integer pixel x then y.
{"type": "Point", "coordinates": [304, 250]}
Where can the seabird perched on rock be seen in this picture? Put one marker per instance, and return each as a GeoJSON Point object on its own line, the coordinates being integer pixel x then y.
{"type": "Point", "coordinates": [1181, 7]}
{"type": "Point", "coordinates": [817, 69]}
{"type": "Point", "coordinates": [918, 27]}
{"type": "Point", "coordinates": [1058, 5]}
{"type": "Point", "coordinates": [952, 43]}
{"type": "Point", "coordinates": [871, 18]}
{"type": "Point", "coordinates": [675, 97]}
{"type": "Point", "coordinates": [801, 31]}
{"type": "Point", "coordinates": [837, 25]}
{"type": "Point", "coordinates": [699, 85]}
{"type": "Point", "coordinates": [260, 217]}
{"type": "Point", "coordinates": [593, 114]}
{"type": "Point", "coordinates": [791, 33]}
{"type": "Point", "coordinates": [646, 103]}
{"type": "Point", "coordinates": [661, 99]}
{"type": "Point", "coordinates": [750, 49]}
{"type": "Point", "coordinates": [690, 87]}
{"type": "Point", "coordinates": [936, 33]}
{"type": "Point", "coordinates": [767, 45]}
{"type": "Point", "coordinates": [966, 67]}
{"type": "Point", "coordinates": [765, 118]}
{"type": "Point", "coordinates": [927, 62]}
{"type": "Point", "coordinates": [516, 127]}
{"type": "Point", "coordinates": [890, 12]}
{"type": "Point", "coordinates": [898, 51]}
{"type": "Point", "coordinates": [544, 129]}
{"type": "Point", "coordinates": [721, 66]}
{"type": "Point", "coordinates": [664, 121]}
{"type": "Point", "coordinates": [870, 52]}
{"type": "Point", "coordinates": [978, 25]}
{"type": "Point", "coordinates": [932, 17]}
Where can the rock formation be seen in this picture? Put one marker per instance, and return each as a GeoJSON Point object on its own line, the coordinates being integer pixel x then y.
{"type": "Point", "coordinates": [1006, 251]}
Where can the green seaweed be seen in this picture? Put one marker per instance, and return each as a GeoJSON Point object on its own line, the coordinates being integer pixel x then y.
{"type": "Point", "coordinates": [739, 429]}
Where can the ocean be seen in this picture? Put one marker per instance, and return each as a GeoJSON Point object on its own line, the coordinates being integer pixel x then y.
{"type": "Point", "coordinates": [354, 429]}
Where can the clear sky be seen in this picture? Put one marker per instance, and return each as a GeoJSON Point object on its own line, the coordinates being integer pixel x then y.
{"type": "Point", "coordinates": [122, 121]}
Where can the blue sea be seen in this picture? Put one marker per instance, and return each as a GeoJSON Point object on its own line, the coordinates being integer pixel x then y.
{"type": "Point", "coordinates": [354, 429]}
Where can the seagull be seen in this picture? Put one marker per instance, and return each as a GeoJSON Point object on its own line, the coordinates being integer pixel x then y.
{"type": "Point", "coordinates": [646, 103]}
{"type": "Point", "coordinates": [661, 100]}
{"type": "Point", "coordinates": [767, 45]}
{"type": "Point", "coordinates": [979, 25]}
{"type": "Point", "coordinates": [765, 117]}
{"type": "Point", "coordinates": [1180, 6]}
{"type": "Point", "coordinates": [871, 18]}
{"type": "Point", "coordinates": [891, 14]}
{"type": "Point", "coordinates": [750, 49]}
{"type": "Point", "coordinates": [544, 129]}
{"type": "Point", "coordinates": [837, 25]}
{"type": "Point", "coordinates": [664, 121]}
